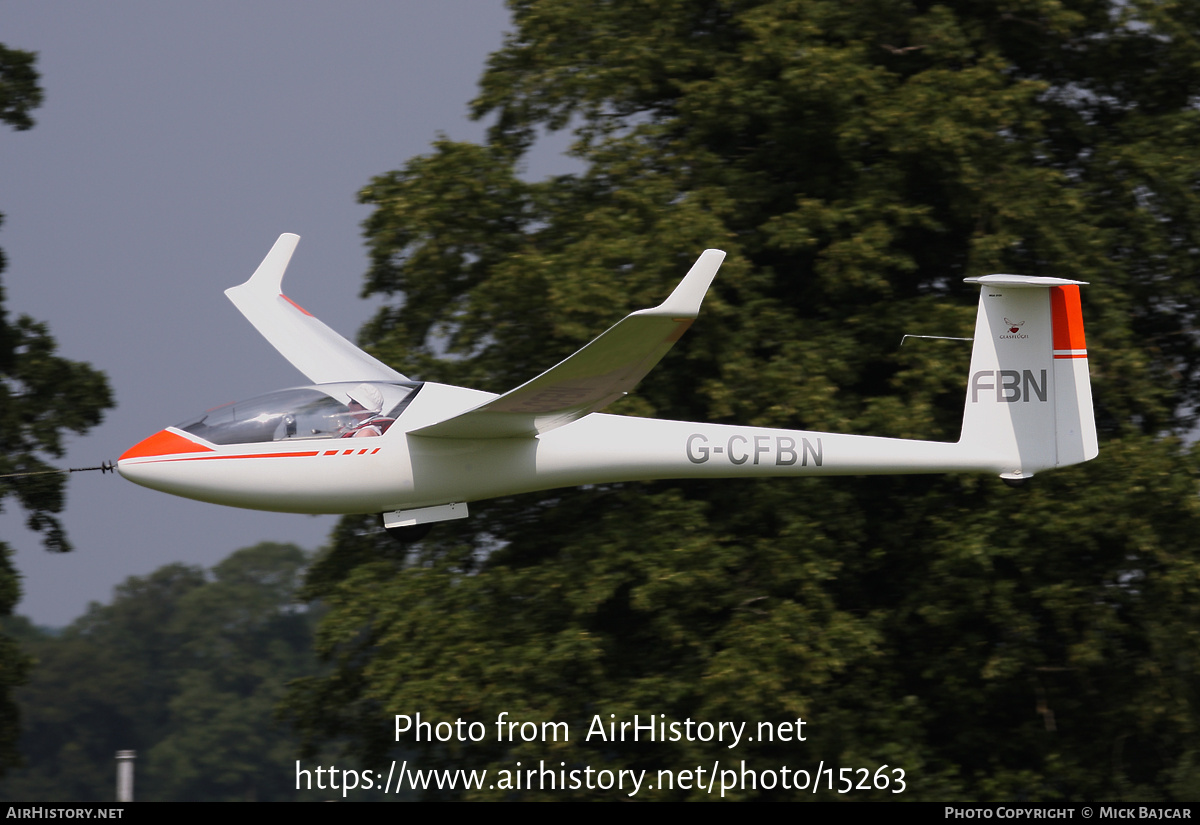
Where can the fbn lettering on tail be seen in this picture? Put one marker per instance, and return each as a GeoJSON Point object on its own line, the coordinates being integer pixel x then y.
{"type": "Point", "coordinates": [1009, 385]}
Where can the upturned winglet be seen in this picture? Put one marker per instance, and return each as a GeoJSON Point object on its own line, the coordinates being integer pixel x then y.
{"type": "Point", "coordinates": [310, 346]}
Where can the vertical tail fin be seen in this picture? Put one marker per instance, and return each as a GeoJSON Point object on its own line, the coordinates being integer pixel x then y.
{"type": "Point", "coordinates": [1029, 397]}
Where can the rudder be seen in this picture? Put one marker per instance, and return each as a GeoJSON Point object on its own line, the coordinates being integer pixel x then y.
{"type": "Point", "coordinates": [1029, 398]}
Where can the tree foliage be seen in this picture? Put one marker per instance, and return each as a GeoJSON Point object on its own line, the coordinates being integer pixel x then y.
{"type": "Point", "coordinates": [856, 160]}
{"type": "Point", "coordinates": [186, 667]}
{"type": "Point", "coordinates": [42, 396]}
{"type": "Point", "coordinates": [19, 90]}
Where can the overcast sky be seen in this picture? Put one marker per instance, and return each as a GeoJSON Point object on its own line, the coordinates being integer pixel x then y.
{"type": "Point", "coordinates": [177, 141]}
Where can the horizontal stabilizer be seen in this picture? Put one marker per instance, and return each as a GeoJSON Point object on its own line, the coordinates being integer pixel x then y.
{"type": "Point", "coordinates": [310, 346]}
{"type": "Point", "coordinates": [1022, 281]}
{"type": "Point", "coordinates": [597, 375]}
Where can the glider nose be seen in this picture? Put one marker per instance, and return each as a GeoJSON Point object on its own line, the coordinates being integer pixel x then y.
{"type": "Point", "coordinates": [138, 463]}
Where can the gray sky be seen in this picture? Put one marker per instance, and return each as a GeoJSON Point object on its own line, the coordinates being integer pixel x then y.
{"type": "Point", "coordinates": [177, 141]}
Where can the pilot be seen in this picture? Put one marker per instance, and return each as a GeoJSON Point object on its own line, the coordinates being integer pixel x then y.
{"type": "Point", "coordinates": [366, 407]}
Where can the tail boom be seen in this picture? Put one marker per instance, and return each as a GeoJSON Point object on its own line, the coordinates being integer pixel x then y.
{"type": "Point", "coordinates": [606, 449]}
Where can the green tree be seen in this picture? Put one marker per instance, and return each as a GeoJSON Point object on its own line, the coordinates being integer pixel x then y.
{"type": "Point", "coordinates": [856, 160]}
{"type": "Point", "coordinates": [185, 667]}
{"type": "Point", "coordinates": [102, 685]}
{"type": "Point", "coordinates": [246, 637]}
{"type": "Point", "coordinates": [42, 396]}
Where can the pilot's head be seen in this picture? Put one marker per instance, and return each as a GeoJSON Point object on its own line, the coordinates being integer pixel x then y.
{"type": "Point", "coordinates": [367, 398]}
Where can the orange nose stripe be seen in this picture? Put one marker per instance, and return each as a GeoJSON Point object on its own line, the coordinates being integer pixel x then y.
{"type": "Point", "coordinates": [164, 442]}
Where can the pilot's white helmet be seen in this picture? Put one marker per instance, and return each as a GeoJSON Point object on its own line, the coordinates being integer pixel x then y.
{"type": "Point", "coordinates": [368, 396]}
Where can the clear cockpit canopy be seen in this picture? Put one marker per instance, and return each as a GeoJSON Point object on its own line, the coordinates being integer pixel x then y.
{"type": "Point", "coordinates": [319, 411]}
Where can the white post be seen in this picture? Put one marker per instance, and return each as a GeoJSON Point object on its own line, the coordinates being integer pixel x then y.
{"type": "Point", "coordinates": [125, 775]}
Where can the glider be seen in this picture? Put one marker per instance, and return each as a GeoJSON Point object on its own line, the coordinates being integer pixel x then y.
{"type": "Point", "coordinates": [362, 438]}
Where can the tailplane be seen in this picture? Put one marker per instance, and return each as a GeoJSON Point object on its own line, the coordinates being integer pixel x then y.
{"type": "Point", "coordinates": [1029, 396]}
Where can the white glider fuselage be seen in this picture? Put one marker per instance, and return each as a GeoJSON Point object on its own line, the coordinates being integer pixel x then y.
{"type": "Point", "coordinates": [1028, 408]}
{"type": "Point", "coordinates": [400, 471]}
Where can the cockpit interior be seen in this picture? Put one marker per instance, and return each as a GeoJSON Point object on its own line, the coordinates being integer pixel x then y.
{"type": "Point", "coordinates": [340, 410]}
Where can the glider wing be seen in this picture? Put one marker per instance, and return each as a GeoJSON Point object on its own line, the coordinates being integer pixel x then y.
{"type": "Point", "coordinates": [595, 376]}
